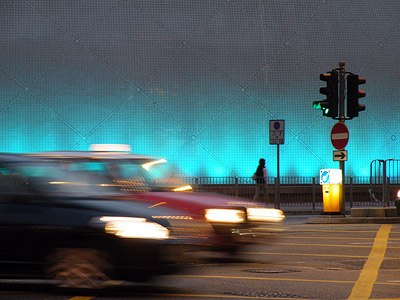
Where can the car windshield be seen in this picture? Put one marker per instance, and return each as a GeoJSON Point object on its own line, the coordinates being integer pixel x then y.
{"type": "Point", "coordinates": [55, 178]}
{"type": "Point", "coordinates": [131, 175]}
{"type": "Point", "coordinates": [100, 175]}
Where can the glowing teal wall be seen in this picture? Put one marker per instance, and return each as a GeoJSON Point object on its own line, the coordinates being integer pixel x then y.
{"type": "Point", "coordinates": [197, 82]}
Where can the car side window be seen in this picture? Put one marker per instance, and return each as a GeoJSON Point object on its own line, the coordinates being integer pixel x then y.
{"type": "Point", "coordinates": [13, 186]}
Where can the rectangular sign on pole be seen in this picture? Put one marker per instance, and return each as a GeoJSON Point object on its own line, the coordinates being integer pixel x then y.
{"type": "Point", "coordinates": [340, 155]}
{"type": "Point", "coordinates": [330, 176]}
{"type": "Point", "coordinates": [276, 132]}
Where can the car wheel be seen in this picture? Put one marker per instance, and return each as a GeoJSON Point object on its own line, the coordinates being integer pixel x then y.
{"type": "Point", "coordinates": [79, 268]}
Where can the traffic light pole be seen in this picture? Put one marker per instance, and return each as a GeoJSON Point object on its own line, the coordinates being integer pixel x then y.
{"type": "Point", "coordinates": [342, 80]}
{"type": "Point", "coordinates": [333, 107]}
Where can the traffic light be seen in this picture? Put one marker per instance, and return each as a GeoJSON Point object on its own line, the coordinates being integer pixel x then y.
{"type": "Point", "coordinates": [353, 94]}
{"type": "Point", "coordinates": [329, 106]}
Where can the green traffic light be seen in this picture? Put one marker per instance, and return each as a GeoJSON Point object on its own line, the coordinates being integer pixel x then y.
{"type": "Point", "coordinates": [330, 104]}
{"type": "Point", "coordinates": [317, 105]}
{"type": "Point", "coordinates": [321, 105]}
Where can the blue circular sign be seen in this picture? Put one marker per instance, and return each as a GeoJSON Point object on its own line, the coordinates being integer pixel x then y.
{"type": "Point", "coordinates": [277, 125]}
{"type": "Point", "coordinates": [325, 177]}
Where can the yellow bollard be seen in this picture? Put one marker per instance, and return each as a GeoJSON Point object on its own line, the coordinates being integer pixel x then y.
{"type": "Point", "coordinates": [331, 196]}
{"type": "Point", "coordinates": [332, 191]}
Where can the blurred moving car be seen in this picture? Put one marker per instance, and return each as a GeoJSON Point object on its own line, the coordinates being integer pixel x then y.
{"type": "Point", "coordinates": [56, 223]}
{"type": "Point", "coordinates": [145, 178]}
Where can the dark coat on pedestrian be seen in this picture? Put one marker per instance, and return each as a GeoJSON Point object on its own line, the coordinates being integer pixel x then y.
{"type": "Point", "coordinates": [260, 172]}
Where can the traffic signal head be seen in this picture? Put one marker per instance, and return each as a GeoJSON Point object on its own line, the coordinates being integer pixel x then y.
{"type": "Point", "coordinates": [329, 106]}
{"type": "Point", "coordinates": [353, 94]}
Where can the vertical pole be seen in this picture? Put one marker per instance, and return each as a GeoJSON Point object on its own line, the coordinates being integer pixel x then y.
{"type": "Point", "coordinates": [384, 184]}
{"type": "Point", "coordinates": [277, 195]}
{"type": "Point", "coordinates": [236, 187]}
{"type": "Point", "coordinates": [276, 191]}
{"type": "Point", "coordinates": [351, 192]}
{"type": "Point", "coordinates": [313, 193]}
{"type": "Point", "coordinates": [342, 74]}
{"type": "Point", "coordinates": [388, 192]}
{"type": "Point", "coordinates": [386, 174]}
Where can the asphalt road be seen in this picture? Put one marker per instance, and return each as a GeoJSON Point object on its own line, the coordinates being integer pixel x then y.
{"type": "Point", "coordinates": [308, 261]}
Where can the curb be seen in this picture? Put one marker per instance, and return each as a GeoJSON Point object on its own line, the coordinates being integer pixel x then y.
{"type": "Point", "coordinates": [352, 220]}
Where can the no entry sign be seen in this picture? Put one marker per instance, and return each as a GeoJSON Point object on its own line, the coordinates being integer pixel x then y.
{"type": "Point", "coordinates": [339, 136]}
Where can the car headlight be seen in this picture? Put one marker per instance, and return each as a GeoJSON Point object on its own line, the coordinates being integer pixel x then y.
{"type": "Point", "coordinates": [139, 228]}
{"type": "Point", "coordinates": [223, 215]}
{"type": "Point", "coordinates": [265, 214]}
{"type": "Point", "coordinates": [185, 188]}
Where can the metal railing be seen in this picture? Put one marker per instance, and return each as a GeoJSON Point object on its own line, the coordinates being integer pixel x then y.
{"type": "Point", "coordinates": [384, 180]}
{"type": "Point", "coordinates": [293, 191]}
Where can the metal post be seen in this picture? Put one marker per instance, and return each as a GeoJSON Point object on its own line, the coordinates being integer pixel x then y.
{"type": "Point", "coordinates": [342, 74]}
{"type": "Point", "coordinates": [386, 183]}
{"type": "Point", "coordinates": [236, 187]}
{"type": "Point", "coordinates": [277, 194]}
{"type": "Point", "coordinates": [351, 192]}
{"type": "Point", "coordinates": [384, 187]}
{"type": "Point", "coordinates": [313, 193]}
{"type": "Point", "coordinates": [388, 192]}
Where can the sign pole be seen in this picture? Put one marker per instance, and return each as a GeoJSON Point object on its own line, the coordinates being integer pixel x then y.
{"type": "Point", "coordinates": [342, 74]}
{"type": "Point", "coordinates": [278, 192]}
{"type": "Point", "coordinates": [277, 137]}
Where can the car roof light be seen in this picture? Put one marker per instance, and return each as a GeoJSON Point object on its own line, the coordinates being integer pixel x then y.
{"type": "Point", "coordinates": [110, 147]}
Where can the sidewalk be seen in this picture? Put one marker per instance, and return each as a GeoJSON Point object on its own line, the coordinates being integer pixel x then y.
{"type": "Point", "coordinates": [359, 215]}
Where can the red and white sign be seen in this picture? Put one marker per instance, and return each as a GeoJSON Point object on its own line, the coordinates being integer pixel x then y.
{"type": "Point", "coordinates": [339, 136]}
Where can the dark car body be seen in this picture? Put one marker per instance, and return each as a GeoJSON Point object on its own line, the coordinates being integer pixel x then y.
{"type": "Point", "coordinates": [55, 224]}
{"type": "Point", "coordinates": [143, 178]}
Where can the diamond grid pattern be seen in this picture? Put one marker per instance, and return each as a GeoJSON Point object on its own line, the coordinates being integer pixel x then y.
{"type": "Point", "coordinates": [197, 82]}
